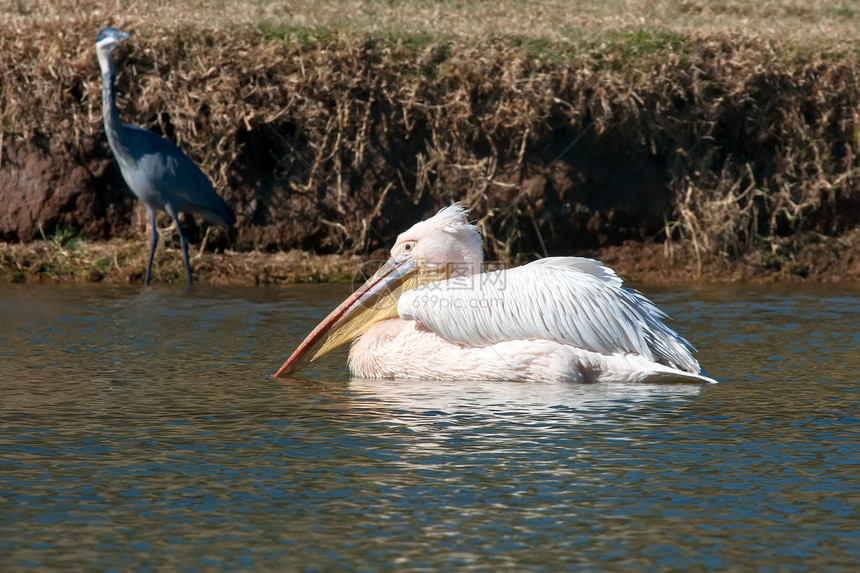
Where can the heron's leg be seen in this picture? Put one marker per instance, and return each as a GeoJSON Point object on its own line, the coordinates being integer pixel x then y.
{"type": "Point", "coordinates": [153, 242]}
{"type": "Point", "coordinates": [183, 242]}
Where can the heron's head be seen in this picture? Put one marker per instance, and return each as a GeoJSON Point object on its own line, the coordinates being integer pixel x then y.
{"type": "Point", "coordinates": [109, 38]}
{"type": "Point", "coordinates": [106, 42]}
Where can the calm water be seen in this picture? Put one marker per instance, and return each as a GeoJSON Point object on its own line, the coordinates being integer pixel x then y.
{"type": "Point", "coordinates": [140, 430]}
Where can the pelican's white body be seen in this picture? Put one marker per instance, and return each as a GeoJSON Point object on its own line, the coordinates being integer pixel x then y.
{"type": "Point", "coordinates": [556, 319]}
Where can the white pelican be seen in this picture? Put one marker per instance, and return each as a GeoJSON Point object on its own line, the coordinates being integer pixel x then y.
{"type": "Point", "coordinates": [430, 313]}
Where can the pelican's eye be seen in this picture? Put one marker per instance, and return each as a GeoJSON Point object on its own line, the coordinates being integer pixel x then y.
{"type": "Point", "coordinates": [407, 247]}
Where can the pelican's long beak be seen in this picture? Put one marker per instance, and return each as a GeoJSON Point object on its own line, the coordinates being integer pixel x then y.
{"type": "Point", "coordinates": [372, 302]}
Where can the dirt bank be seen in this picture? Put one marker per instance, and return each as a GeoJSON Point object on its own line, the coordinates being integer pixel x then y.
{"type": "Point", "coordinates": [812, 257]}
{"type": "Point", "coordinates": [713, 157]}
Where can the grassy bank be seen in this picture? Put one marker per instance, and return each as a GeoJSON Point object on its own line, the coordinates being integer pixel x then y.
{"type": "Point", "coordinates": [819, 26]}
{"type": "Point", "coordinates": [723, 133]}
{"type": "Point", "coordinates": [73, 260]}
{"type": "Point", "coordinates": [809, 257]}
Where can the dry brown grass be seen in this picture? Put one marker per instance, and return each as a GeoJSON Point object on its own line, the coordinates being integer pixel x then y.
{"type": "Point", "coordinates": [124, 261]}
{"type": "Point", "coordinates": [751, 108]}
{"type": "Point", "coordinates": [826, 24]}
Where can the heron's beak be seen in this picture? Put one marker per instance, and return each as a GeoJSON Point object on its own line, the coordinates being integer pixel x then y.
{"type": "Point", "coordinates": [372, 302]}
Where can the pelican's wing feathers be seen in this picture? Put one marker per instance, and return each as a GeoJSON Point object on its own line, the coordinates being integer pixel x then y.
{"type": "Point", "coordinates": [570, 300]}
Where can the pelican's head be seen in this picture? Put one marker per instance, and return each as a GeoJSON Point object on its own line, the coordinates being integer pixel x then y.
{"type": "Point", "coordinates": [446, 238]}
{"type": "Point", "coordinates": [106, 42]}
{"type": "Point", "coordinates": [443, 246]}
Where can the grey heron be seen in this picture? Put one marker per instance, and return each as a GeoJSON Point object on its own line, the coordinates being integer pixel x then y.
{"type": "Point", "coordinates": [156, 170]}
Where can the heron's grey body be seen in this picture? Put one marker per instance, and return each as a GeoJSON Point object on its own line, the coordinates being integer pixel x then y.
{"type": "Point", "coordinates": [156, 171]}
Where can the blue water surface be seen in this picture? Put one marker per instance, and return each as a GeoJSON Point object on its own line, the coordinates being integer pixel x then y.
{"type": "Point", "coordinates": [140, 430]}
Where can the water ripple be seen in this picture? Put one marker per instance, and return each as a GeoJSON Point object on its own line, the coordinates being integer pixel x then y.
{"type": "Point", "coordinates": [140, 430]}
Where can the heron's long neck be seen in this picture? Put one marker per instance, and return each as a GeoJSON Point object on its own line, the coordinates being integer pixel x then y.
{"type": "Point", "coordinates": [113, 124]}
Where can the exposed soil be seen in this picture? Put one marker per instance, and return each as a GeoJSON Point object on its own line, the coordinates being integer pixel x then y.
{"type": "Point", "coordinates": [811, 258]}
{"type": "Point", "coordinates": [805, 257]}
{"type": "Point", "coordinates": [713, 158]}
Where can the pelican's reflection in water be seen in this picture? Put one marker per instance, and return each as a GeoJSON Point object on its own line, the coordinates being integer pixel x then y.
{"type": "Point", "coordinates": [428, 405]}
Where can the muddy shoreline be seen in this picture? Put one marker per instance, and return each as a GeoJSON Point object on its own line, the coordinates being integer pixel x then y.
{"type": "Point", "coordinates": [813, 258]}
{"type": "Point", "coordinates": [671, 158]}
